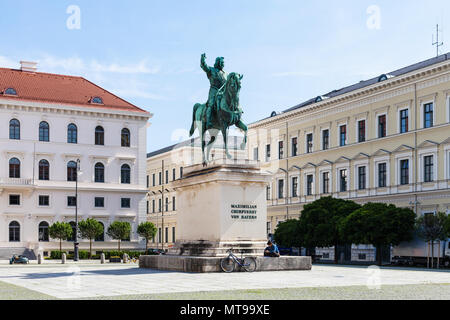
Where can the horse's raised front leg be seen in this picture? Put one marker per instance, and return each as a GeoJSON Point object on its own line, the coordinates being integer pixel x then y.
{"type": "Point", "coordinates": [225, 141]}
{"type": "Point", "coordinates": [244, 128]}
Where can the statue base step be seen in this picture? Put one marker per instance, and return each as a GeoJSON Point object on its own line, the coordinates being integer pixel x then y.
{"type": "Point", "coordinates": [212, 264]}
{"type": "Point", "coordinates": [201, 248]}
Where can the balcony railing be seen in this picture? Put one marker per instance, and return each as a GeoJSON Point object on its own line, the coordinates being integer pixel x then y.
{"type": "Point", "coordinates": [16, 182]}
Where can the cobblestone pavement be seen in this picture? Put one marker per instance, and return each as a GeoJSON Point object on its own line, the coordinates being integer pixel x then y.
{"type": "Point", "coordinates": [90, 281]}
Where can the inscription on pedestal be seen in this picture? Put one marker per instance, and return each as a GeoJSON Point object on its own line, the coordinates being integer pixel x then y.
{"type": "Point", "coordinates": [245, 212]}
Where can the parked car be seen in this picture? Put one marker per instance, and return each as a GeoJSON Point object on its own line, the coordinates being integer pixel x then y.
{"type": "Point", "coordinates": [19, 259]}
{"type": "Point", "coordinates": [155, 252]}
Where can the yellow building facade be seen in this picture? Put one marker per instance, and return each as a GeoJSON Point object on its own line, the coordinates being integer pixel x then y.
{"type": "Point", "coordinates": [382, 140]}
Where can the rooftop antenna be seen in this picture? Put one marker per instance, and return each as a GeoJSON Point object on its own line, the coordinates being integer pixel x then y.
{"type": "Point", "coordinates": [437, 43]}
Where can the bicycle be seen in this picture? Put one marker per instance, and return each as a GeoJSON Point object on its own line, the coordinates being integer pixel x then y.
{"type": "Point", "coordinates": [228, 264]}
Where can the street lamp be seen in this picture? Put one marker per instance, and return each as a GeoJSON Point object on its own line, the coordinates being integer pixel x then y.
{"type": "Point", "coordinates": [75, 244]}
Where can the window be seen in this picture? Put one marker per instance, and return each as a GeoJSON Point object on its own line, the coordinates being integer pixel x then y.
{"type": "Point", "coordinates": [268, 192]}
{"type": "Point", "coordinates": [153, 206]}
{"type": "Point", "coordinates": [309, 184]}
{"type": "Point", "coordinates": [10, 92]}
{"type": "Point", "coordinates": [325, 139]}
{"type": "Point", "coordinates": [97, 100]}
{"type": "Point", "coordinates": [428, 169]}
{"type": "Point", "coordinates": [325, 182]}
{"type": "Point", "coordinates": [280, 150]}
{"type": "Point", "coordinates": [404, 172]}
{"type": "Point", "coordinates": [71, 201]}
{"type": "Point", "coordinates": [404, 119]}
{"type": "Point", "coordinates": [125, 174]}
{"type": "Point", "coordinates": [167, 176]}
{"type": "Point", "coordinates": [99, 202]}
{"type": "Point", "coordinates": [343, 180]}
{"type": "Point", "coordinates": [44, 132]}
{"type": "Point", "coordinates": [14, 168]}
{"type": "Point", "coordinates": [361, 130]}
{"type": "Point", "coordinates": [72, 171]}
{"type": "Point", "coordinates": [148, 181]}
{"type": "Point", "coordinates": [72, 133]}
{"type": "Point", "coordinates": [280, 189]}
{"type": "Point", "coordinates": [268, 153]}
{"type": "Point", "coordinates": [428, 115]}
{"type": "Point", "coordinates": [167, 234]}
{"type": "Point", "coordinates": [181, 172]}
{"type": "Point", "coordinates": [173, 174]}
{"type": "Point", "coordinates": [309, 143]}
{"type": "Point", "coordinates": [125, 137]}
{"type": "Point", "coordinates": [159, 205]}
{"type": "Point", "coordinates": [14, 129]}
{"type": "Point", "coordinates": [14, 232]}
{"type": "Point", "coordinates": [382, 175]}
{"type": "Point", "coordinates": [294, 146]}
{"type": "Point", "coordinates": [44, 201]}
{"type": "Point", "coordinates": [148, 207]}
{"type": "Point", "coordinates": [382, 126]}
{"type": "Point", "coordinates": [342, 135]}
{"type": "Point", "coordinates": [43, 231]}
{"type": "Point", "coordinates": [173, 234]}
{"type": "Point", "coordinates": [99, 136]}
{"type": "Point", "coordinates": [361, 178]}
{"type": "Point", "coordinates": [101, 236]}
{"type": "Point", "coordinates": [14, 200]}
{"type": "Point", "coordinates": [294, 187]}
{"type": "Point", "coordinates": [154, 179]}
{"type": "Point", "coordinates": [99, 175]}
{"type": "Point", "coordinates": [255, 154]}
{"type": "Point", "coordinates": [159, 235]}
{"type": "Point", "coordinates": [173, 204]}
{"type": "Point", "coordinates": [44, 170]}
{"type": "Point", "coordinates": [160, 178]}
{"type": "Point", "coordinates": [125, 203]}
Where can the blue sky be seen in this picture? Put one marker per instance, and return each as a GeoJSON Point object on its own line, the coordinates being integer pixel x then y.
{"type": "Point", "coordinates": [148, 52]}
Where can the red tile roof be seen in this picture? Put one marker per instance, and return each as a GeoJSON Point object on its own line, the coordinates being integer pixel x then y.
{"type": "Point", "coordinates": [59, 89]}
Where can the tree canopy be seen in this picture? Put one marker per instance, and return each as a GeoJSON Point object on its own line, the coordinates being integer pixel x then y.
{"type": "Point", "coordinates": [60, 231]}
{"type": "Point", "coordinates": [90, 229]}
{"type": "Point", "coordinates": [287, 234]}
{"type": "Point", "coordinates": [119, 230]}
{"type": "Point", "coordinates": [146, 230]}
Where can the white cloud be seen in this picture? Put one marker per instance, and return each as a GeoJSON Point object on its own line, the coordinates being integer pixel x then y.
{"type": "Point", "coordinates": [6, 62]}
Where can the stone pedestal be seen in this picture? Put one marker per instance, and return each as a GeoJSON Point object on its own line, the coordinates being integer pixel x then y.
{"type": "Point", "coordinates": [221, 206]}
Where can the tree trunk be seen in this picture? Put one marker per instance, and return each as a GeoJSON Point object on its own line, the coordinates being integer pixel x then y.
{"type": "Point", "coordinates": [432, 254]}
{"type": "Point", "coordinates": [146, 245]}
{"type": "Point", "coordinates": [90, 248]}
{"type": "Point", "coordinates": [439, 253]}
{"type": "Point", "coordinates": [380, 256]}
{"type": "Point", "coordinates": [119, 246]}
{"type": "Point", "coordinates": [60, 246]}
{"type": "Point", "coordinates": [428, 254]}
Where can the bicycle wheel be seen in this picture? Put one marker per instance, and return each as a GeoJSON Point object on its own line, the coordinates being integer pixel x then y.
{"type": "Point", "coordinates": [227, 264]}
{"type": "Point", "coordinates": [249, 264]}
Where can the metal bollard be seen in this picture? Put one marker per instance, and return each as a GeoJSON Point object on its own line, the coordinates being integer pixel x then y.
{"type": "Point", "coordinates": [63, 258]}
{"type": "Point", "coordinates": [39, 258]}
{"type": "Point", "coordinates": [102, 258]}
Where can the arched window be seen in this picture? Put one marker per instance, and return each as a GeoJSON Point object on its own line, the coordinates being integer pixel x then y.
{"type": "Point", "coordinates": [44, 170]}
{"type": "Point", "coordinates": [43, 232]}
{"type": "Point", "coordinates": [14, 232]}
{"type": "Point", "coordinates": [72, 171]}
{"type": "Point", "coordinates": [101, 237]}
{"type": "Point", "coordinates": [97, 100]}
{"type": "Point", "coordinates": [44, 131]}
{"type": "Point", "coordinates": [14, 129]}
{"type": "Point", "coordinates": [11, 92]}
{"type": "Point", "coordinates": [14, 168]}
{"type": "Point", "coordinates": [125, 173]}
{"type": "Point", "coordinates": [125, 137]}
{"type": "Point", "coordinates": [99, 172]}
{"type": "Point", "coordinates": [72, 133]}
{"type": "Point", "coordinates": [99, 136]}
{"type": "Point", "coordinates": [73, 225]}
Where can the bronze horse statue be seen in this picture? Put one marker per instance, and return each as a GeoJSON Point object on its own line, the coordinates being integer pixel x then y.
{"type": "Point", "coordinates": [226, 112]}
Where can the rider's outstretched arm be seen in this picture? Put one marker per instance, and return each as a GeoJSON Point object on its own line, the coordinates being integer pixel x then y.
{"type": "Point", "coordinates": [204, 66]}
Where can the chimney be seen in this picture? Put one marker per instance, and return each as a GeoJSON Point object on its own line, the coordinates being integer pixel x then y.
{"type": "Point", "coordinates": [28, 66]}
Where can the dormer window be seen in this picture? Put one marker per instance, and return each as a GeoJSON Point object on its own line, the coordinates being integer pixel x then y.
{"type": "Point", "coordinates": [97, 100]}
{"type": "Point", "coordinates": [10, 92]}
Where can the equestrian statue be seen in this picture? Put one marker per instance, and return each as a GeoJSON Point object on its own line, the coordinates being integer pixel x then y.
{"type": "Point", "coordinates": [222, 110]}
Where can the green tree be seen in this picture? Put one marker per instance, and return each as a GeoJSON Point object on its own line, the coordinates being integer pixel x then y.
{"type": "Point", "coordinates": [319, 222]}
{"type": "Point", "coordinates": [119, 230]}
{"type": "Point", "coordinates": [379, 224]}
{"type": "Point", "coordinates": [90, 229]}
{"type": "Point", "coordinates": [146, 230]}
{"type": "Point", "coordinates": [447, 226]}
{"type": "Point", "coordinates": [61, 231]}
{"type": "Point", "coordinates": [431, 228]}
{"type": "Point", "coordinates": [287, 234]}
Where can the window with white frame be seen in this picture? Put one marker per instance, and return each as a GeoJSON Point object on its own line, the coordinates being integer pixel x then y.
{"type": "Point", "coordinates": [428, 169]}
{"type": "Point", "coordinates": [325, 139]}
{"type": "Point", "coordinates": [343, 180]}
{"type": "Point", "coordinates": [428, 119]}
{"type": "Point", "coordinates": [325, 182]}
{"type": "Point", "coordinates": [309, 185]}
{"type": "Point", "coordinates": [362, 130]}
{"type": "Point", "coordinates": [404, 120]}
{"type": "Point", "coordinates": [404, 172]}
{"type": "Point", "coordinates": [294, 145]}
{"type": "Point", "coordinates": [309, 143]}
{"type": "Point", "coordinates": [294, 187]}
{"type": "Point", "coordinates": [267, 152]}
{"type": "Point", "coordinates": [382, 126]}
{"type": "Point", "coordinates": [382, 174]}
{"type": "Point", "coordinates": [362, 178]}
{"type": "Point", "coordinates": [281, 189]}
{"type": "Point", "coordinates": [342, 135]}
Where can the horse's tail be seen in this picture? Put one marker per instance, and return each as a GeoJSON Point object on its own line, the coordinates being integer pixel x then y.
{"type": "Point", "coordinates": [194, 125]}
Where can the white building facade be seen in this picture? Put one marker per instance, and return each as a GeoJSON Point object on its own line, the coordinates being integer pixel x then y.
{"type": "Point", "coordinates": [48, 124]}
